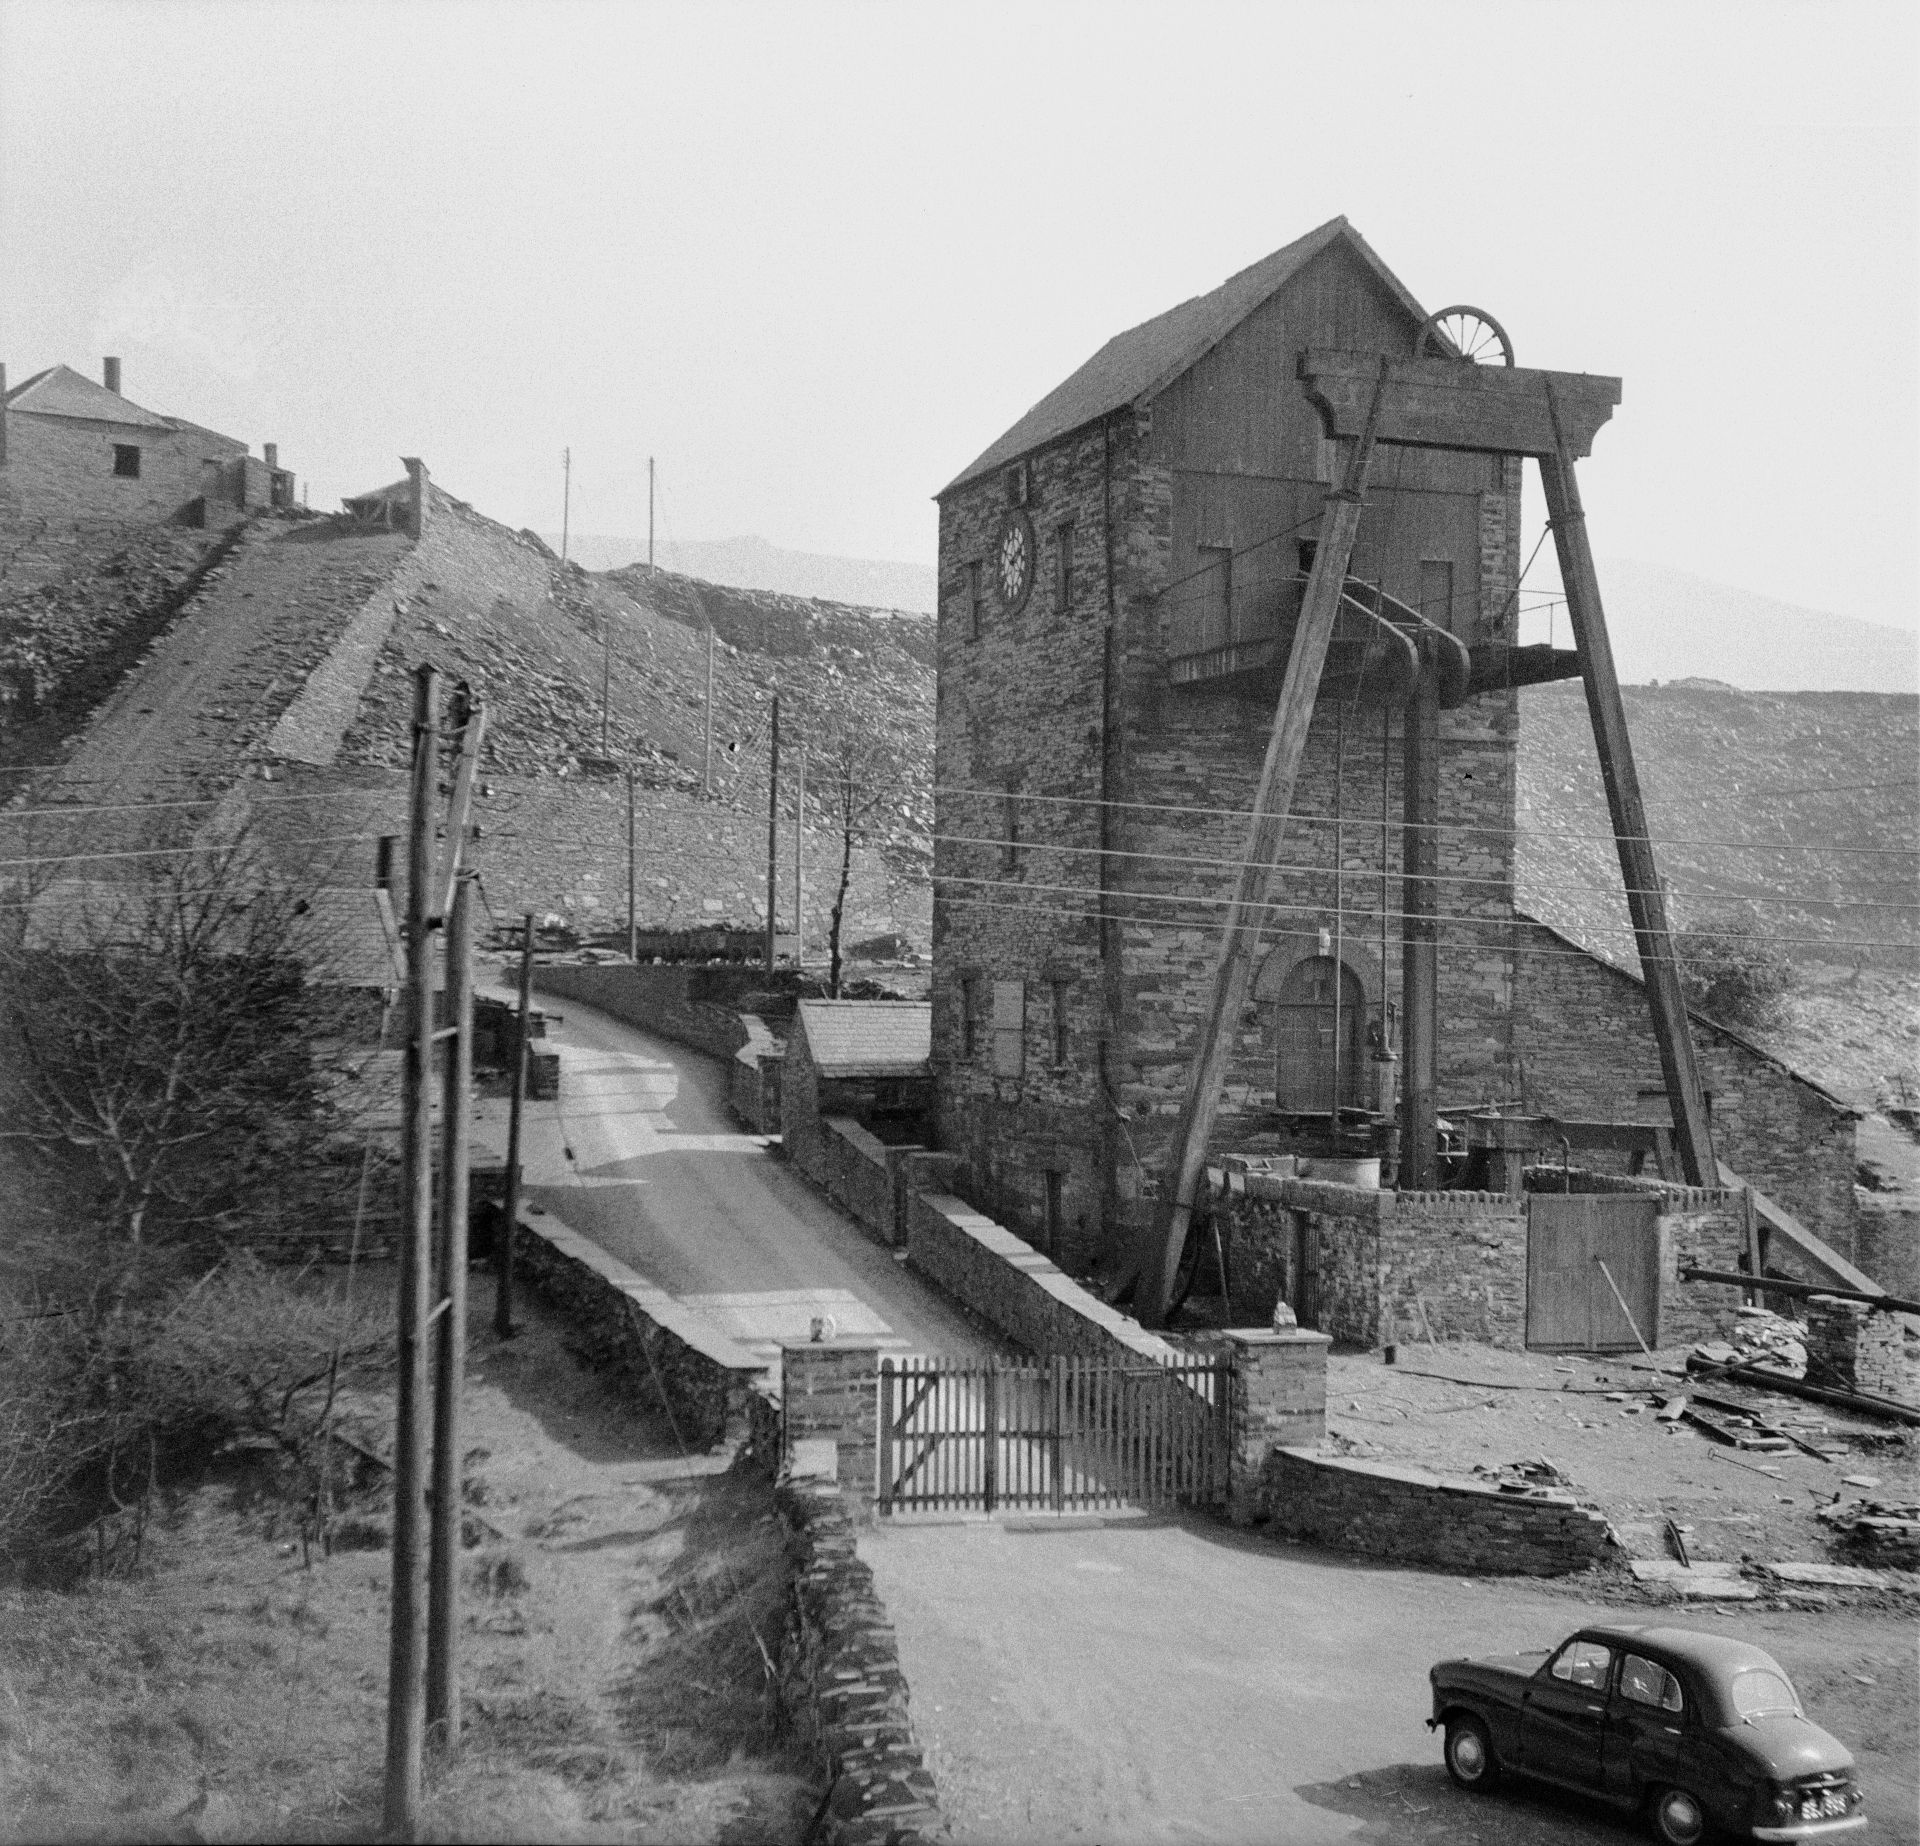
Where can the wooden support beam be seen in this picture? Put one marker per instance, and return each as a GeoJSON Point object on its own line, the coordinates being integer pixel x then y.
{"type": "Point", "coordinates": [1157, 1258]}
{"type": "Point", "coordinates": [1646, 902]}
{"type": "Point", "coordinates": [1442, 404]}
{"type": "Point", "coordinates": [1816, 1251]}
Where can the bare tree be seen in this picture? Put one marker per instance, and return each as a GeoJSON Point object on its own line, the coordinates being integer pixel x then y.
{"type": "Point", "coordinates": [855, 773]}
{"type": "Point", "coordinates": [162, 1049]}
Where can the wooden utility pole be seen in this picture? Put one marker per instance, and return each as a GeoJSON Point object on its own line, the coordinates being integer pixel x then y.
{"type": "Point", "coordinates": [450, 1330]}
{"type": "Point", "coordinates": [633, 934]}
{"type": "Point", "coordinates": [503, 1257]}
{"type": "Point", "coordinates": [1157, 1260]}
{"type": "Point", "coordinates": [606, 677]}
{"type": "Point", "coordinates": [799, 848]}
{"type": "Point", "coordinates": [649, 515]}
{"type": "Point", "coordinates": [406, 1640]}
{"type": "Point", "coordinates": [773, 827]}
{"type": "Point", "coordinates": [566, 498]}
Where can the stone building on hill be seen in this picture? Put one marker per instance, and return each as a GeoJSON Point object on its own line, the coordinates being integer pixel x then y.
{"type": "Point", "coordinates": [1119, 577]}
{"type": "Point", "coordinates": [73, 450]}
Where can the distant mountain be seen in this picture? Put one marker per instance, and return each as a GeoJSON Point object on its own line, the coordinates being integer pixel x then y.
{"type": "Point", "coordinates": [754, 564]}
{"type": "Point", "coordinates": [1668, 624]}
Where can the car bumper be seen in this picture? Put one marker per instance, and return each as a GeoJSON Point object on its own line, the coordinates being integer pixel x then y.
{"type": "Point", "coordinates": [1811, 1829]}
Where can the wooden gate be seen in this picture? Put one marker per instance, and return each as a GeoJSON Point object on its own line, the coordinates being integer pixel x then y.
{"type": "Point", "coordinates": [1570, 1235]}
{"type": "Point", "coordinates": [1060, 1434]}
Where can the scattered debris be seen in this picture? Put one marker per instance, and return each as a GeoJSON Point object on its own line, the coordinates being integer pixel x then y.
{"type": "Point", "coordinates": [1538, 1479]}
{"type": "Point", "coordinates": [1759, 1338]}
{"type": "Point", "coordinates": [1890, 1529]}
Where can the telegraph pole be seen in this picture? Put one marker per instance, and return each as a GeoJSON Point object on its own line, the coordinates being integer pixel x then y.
{"type": "Point", "coordinates": [503, 1257]}
{"type": "Point", "coordinates": [606, 674]}
{"type": "Point", "coordinates": [633, 938]}
{"type": "Point", "coordinates": [566, 498]}
{"type": "Point", "coordinates": [799, 869]}
{"type": "Point", "coordinates": [406, 1653]}
{"type": "Point", "coordinates": [773, 827]}
{"type": "Point", "coordinates": [450, 1341]}
{"type": "Point", "coordinates": [649, 515]}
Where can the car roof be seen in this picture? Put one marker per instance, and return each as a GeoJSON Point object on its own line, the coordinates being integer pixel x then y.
{"type": "Point", "coordinates": [1716, 1654]}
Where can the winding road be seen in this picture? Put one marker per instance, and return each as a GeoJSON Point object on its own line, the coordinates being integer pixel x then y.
{"type": "Point", "coordinates": [641, 1154]}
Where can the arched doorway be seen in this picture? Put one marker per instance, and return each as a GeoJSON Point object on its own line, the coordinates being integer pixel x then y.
{"type": "Point", "coordinates": [1306, 1018]}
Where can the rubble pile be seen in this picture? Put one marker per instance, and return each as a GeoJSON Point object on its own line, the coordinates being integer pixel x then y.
{"type": "Point", "coordinates": [76, 614]}
{"type": "Point", "coordinates": [1767, 1341]}
{"type": "Point", "coordinates": [545, 644]}
{"type": "Point", "coordinates": [1889, 1530]}
{"type": "Point", "coordinates": [1538, 1479]}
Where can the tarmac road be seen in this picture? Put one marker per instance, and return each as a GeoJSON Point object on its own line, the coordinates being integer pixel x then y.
{"type": "Point", "coordinates": [1173, 1680]}
{"type": "Point", "coordinates": [641, 1154]}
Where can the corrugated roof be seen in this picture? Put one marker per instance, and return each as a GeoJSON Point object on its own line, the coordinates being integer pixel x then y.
{"type": "Point", "coordinates": [868, 1038]}
{"type": "Point", "coordinates": [60, 391]}
{"type": "Point", "coordinates": [1135, 366]}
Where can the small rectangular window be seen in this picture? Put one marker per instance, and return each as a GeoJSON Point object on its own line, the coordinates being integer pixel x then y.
{"type": "Point", "coordinates": [1053, 1209]}
{"type": "Point", "coordinates": [1009, 1028]}
{"type": "Point", "coordinates": [1059, 1024]}
{"type": "Point", "coordinates": [1216, 594]}
{"type": "Point", "coordinates": [976, 603]}
{"type": "Point", "coordinates": [969, 1016]}
{"type": "Point", "coordinates": [1018, 484]}
{"type": "Point", "coordinates": [1064, 546]}
{"type": "Point", "coordinates": [126, 460]}
{"type": "Point", "coordinates": [1010, 833]}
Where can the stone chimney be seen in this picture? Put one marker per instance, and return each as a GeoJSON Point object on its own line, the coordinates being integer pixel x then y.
{"type": "Point", "coordinates": [271, 450]}
{"type": "Point", "coordinates": [417, 515]}
{"type": "Point", "coordinates": [110, 375]}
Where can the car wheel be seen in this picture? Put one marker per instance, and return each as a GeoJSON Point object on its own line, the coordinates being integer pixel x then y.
{"type": "Point", "coordinates": [1678, 1817]}
{"type": "Point", "coordinates": [1470, 1758]}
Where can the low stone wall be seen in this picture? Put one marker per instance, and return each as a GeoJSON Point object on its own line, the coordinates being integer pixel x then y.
{"type": "Point", "coordinates": [753, 1078]}
{"type": "Point", "coordinates": [676, 1002]}
{"type": "Point", "coordinates": [842, 1684]}
{"type": "Point", "coordinates": [1384, 1266]}
{"type": "Point", "coordinates": [1417, 1518]}
{"type": "Point", "coordinates": [1012, 1287]}
{"type": "Point", "coordinates": [858, 1176]}
{"type": "Point", "coordinates": [703, 1381]}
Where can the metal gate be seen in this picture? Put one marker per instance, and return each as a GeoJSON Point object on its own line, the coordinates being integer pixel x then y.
{"type": "Point", "coordinates": [1060, 1434]}
{"type": "Point", "coordinates": [1576, 1241]}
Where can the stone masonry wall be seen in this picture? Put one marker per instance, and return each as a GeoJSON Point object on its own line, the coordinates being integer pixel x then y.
{"type": "Point", "coordinates": [627, 1325]}
{"type": "Point", "coordinates": [656, 999]}
{"type": "Point", "coordinates": [61, 468]}
{"type": "Point", "coordinates": [1586, 1051]}
{"type": "Point", "coordinates": [1851, 1347]}
{"type": "Point", "coordinates": [1417, 1518]}
{"type": "Point", "coordinates": [842, 1685]}
{"type": "Point", "coordinates": [1020, 720]}
{"type": "Point", "coordinates": [1015, 1289]}
{"type": "Point", "coordinates": [1393, 1266]}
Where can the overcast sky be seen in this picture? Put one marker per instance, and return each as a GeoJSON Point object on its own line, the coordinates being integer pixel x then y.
{"type": "Point", "coordinates": [814, 258]}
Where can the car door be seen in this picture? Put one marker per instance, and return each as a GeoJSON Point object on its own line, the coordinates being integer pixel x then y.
{"type": "Point", "coordinates": [1646, 1737]}
{"type": "Point", "coordinates": [1563, 1714]}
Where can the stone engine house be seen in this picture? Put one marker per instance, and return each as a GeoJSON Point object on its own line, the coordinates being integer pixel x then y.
{"type": "Point", "coordinates": [1118, 576]}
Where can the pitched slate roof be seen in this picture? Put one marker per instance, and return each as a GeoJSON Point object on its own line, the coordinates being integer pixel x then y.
{"type": "Point", "coordinates": [1136, 366]}
{"type": "Point", "coordinates": [868, 1038]}
{"type": "Point", "coordinates": [60, 391]}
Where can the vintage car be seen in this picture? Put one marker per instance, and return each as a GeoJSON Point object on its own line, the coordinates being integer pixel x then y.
{"type": "Point", "coordinates": [1703, 1733]}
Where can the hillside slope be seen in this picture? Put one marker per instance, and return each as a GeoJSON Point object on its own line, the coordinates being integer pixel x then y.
{"type": "Point", "coordinates": [1793, 817]}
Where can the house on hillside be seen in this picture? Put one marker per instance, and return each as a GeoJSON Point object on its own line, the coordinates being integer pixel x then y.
{"type": "Point", "coordinates": [1120, 574]}
{"type": "Point", "coordinates": [73, 449]}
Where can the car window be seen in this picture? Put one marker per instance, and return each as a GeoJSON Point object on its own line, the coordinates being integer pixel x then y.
{"type": "Point", "coordinates": [1647, 1684]}
{"type": "Point", "coordinates": [1583, 1663]}
{"type": "Point", "coordinates": [1758, 1691]}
